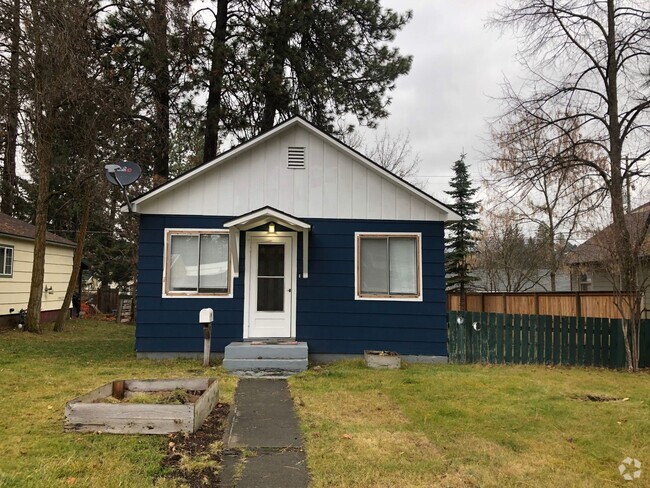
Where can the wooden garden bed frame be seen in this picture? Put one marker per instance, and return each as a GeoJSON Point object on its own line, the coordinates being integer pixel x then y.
{"type": "Point", "coordinates": [85, 414]}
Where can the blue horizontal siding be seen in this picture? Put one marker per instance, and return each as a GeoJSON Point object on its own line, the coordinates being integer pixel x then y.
{"type": "Point", "coordinates": [328, 317]}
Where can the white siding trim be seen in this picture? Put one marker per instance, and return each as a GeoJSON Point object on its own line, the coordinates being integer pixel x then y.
{"type": "Point", "coordinates": [436, 210]}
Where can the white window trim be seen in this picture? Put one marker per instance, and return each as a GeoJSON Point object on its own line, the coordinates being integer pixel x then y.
{"type": "Point", "coordinates": [357, 267]}
{"type": "Point", "coordinates": [167, 294]}
{"type": "Point", "coordinates": [2, 265]}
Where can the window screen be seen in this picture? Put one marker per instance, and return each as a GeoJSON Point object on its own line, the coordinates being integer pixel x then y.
{"type": "Point", "coordinates": [389, 266]}
{"type": "Point", "coordinates": [198, 263]}
{"type": "Point", "coordinates": [6, 261]}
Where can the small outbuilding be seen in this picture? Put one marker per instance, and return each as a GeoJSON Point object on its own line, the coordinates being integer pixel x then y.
{"type": "Point", "coordinates": [292, 236]}
{"type": "Point", "coordinates": [16, 261]}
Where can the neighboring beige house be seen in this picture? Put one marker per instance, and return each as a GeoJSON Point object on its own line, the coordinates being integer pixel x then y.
{"type": "Point", "coordinates": [591, 262]}
{"type": "Point", "coordinates": [16, 260]}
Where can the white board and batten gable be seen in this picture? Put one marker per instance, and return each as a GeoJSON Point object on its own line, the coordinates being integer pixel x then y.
{"type": "Point", "coordinates": [299, 170]}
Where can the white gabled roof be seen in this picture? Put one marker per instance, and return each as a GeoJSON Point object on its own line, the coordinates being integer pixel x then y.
{"type": "Point", "coordinates": [148, 199]}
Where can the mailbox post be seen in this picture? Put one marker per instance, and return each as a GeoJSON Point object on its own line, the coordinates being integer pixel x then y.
{"type": "Point", "coordinates": [205, 319]}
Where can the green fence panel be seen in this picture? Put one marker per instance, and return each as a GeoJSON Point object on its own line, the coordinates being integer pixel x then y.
{"type": "Point", "coordinates": [548, 345]}
{"type": "Point", "coordinates": [589, 342]}
{"type": "Point", "coordinates": [604, 342]}
{"type": "Point", "coordinates": [572, 341]}
{"type": "Point", "coordinates": [508, 331]}
{"type": "Point", "coordinates": [476, 338]}
{"type": "Point", "coordinates": [598, 334]}
{"type": "Point", "coordinates": [564, 341]}
{"type": "Point", "coordinates": [452, 340]}
{"type": "Point", "coordinates": [580, 339]}
{"type": "Point", "coordinates": [492, 338]}
{"type": "Point", "coordinates": [557, 341]}
{"type": "Point", "coordinates": [541, 341]}
{"type": "Point", "coordinates": [617, 357]}
{"type": "Point", "coordinates": [501, 339]}
{"type": "Point", "coordinates": [644, 343]}
{"type": "Point", "coordinates": [532, 338]}
{"type": "Point", "coordinates": [516, 339]}
{"type": "Point", "coordinates": [484, 333]}
{"type": "Point", "coordinates": [525, 329]}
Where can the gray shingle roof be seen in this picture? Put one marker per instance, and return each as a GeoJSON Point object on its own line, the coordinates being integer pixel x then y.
{"type": "Point", "coordinates": [10, 226]}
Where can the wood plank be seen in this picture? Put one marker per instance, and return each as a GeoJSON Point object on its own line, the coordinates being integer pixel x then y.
{"type": "Point", "coordinates": [500, 336]}
{"type": "Point", "coordinates": [485, 340]}
{"type": "Point", "coordinates": [580, 340]}
{"type": "Point", "coordinates": [597, 341]}
{"type": "Point", "coordinates": [167, 385]}
{"type": "Point", "coordinates": [103, 391]}
{"type": "Point", "coordinates": [589, 341]}
{"type": "Point", "coordinates": [532, 338]}
{"type": "Point", "coordinates": [452, 327]}
{"type": "Point", "coordinates": [564, 345]}
{"type": "Point", "coordinates": [492, 338]}
{"type": "Point", "coordinates": [540, 339]}
{"type": "Point", "coordinates": [118, 389]}
{"type": "Point", "coordinates": [572, 353]}
{"type": "Point", "coordinates": [548, 344]}
{"type": "Point", "coordinates": [557, 341]}
{"type": "Point", "coordinates": [516, 340]}
{"type": "Point", "coordinates": [508, 331]}
{"type": "Point", "coordinates": [525, 331]}
{"type": "Point", "coordinates": [205, 404]}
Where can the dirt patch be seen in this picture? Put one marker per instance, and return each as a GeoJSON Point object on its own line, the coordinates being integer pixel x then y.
{"type": "Point", "coordinates": [196, 459]}
{"type": "Point", "coordinates": [601, 398]}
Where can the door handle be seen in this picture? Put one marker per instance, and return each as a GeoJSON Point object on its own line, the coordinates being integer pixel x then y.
{"type": "Point", "coordinates": [289, 290]}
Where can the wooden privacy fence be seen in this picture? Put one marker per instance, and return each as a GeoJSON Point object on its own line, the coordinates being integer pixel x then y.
{"type": "Point", "coordinates": [563, 304]}
{"type": "Point", "coordinates": [541, 339]}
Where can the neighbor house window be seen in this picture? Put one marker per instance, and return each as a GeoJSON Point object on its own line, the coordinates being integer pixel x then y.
{"type": "Point", "coordinates": [388, 266]}
{"type": "Point", "coordinates": [196, 263]}
{"type": "Point", "coordinates": [6, 261]}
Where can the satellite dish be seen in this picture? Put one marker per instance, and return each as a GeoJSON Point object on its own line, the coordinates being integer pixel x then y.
{"type": "Point", "coordinates": [122, 174]}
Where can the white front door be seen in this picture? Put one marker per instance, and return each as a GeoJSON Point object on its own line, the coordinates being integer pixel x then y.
{"type": "Point", "coordinates": [269, 287]}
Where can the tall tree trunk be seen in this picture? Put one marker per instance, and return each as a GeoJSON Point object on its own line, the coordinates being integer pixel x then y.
{"type": "Point", "coordinates": [9, 169]}
{"type": "Point", "coordinates": [160, 89]}
{"type": "Point", "coordinates": [273, 91]}
{"type": "Point", "coordinates": [42, 114]}
{"type": "Point", "coordinates": [76, 263]}
{"type": "Point", "coordinates": [624, 250]}
{"type": "Point", "coordinates": [217, 67]}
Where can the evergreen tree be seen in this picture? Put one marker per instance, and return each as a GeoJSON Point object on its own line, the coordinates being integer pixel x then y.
{"type": "Point", "coordinates": [461, 241]}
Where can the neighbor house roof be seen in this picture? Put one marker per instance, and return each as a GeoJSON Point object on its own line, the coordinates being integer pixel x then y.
{"type": "Point", "coordinates": [599, 247]}
{"type": "Point", "coordinates": [297, 121]}
{"type": "Point", "coordinates": [12, 227]}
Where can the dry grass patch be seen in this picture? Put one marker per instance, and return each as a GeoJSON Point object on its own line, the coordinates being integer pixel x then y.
{"type": "Point", "coordinates": [40, 373]}
{"type": "Point", "coordinates": [451, 425]}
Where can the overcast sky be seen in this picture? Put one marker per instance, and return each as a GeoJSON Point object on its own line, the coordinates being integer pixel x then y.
{"type": "Point", "coordinates": [444, 102]}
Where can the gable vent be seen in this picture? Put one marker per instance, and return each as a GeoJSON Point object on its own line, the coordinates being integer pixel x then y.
{"type": "Point", "coordinates": [296, 157]}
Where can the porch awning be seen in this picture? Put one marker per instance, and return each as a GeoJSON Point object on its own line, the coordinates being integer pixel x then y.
{"type": "Point", "coordinates": [263, 216]}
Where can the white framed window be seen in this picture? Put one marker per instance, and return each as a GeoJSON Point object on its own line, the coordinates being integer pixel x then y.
{"type": "Point", "coordinates": [197, 263]}
{"type": "Point", "coordinates": [388, 266]}
{"type": "Point", "coordinates": [6, 261]}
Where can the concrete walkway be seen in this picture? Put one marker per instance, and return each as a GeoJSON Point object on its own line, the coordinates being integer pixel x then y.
{"type": "Point", "coordinates": [264, 446]}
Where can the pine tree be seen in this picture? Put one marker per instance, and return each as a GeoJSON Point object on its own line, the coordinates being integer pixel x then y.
{"type": "Point", "coordinates": [461, 243]}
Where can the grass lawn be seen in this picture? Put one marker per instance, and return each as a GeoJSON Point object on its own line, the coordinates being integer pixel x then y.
{"type": "Point", "coordinates": [454, 425]}
{"type": "Point", "coordinates": [40, 373]}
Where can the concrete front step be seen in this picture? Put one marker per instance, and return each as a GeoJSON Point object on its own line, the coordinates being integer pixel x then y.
{"type": "Point", "coordinates": [247, 358]}
{"type": "Point", "coordinates": [249, 350]}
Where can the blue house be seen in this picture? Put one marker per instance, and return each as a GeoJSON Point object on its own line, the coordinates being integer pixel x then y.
{"type": "Point", "coordinates": [292, 237]}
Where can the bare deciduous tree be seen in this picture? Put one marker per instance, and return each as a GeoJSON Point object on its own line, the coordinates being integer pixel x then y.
{"type": "Point", "coordinates": [507, 260]}
{"type": "Point", "coordinates": [587, 62]}
{"type": "Point", "coordinates": [553, 199]}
